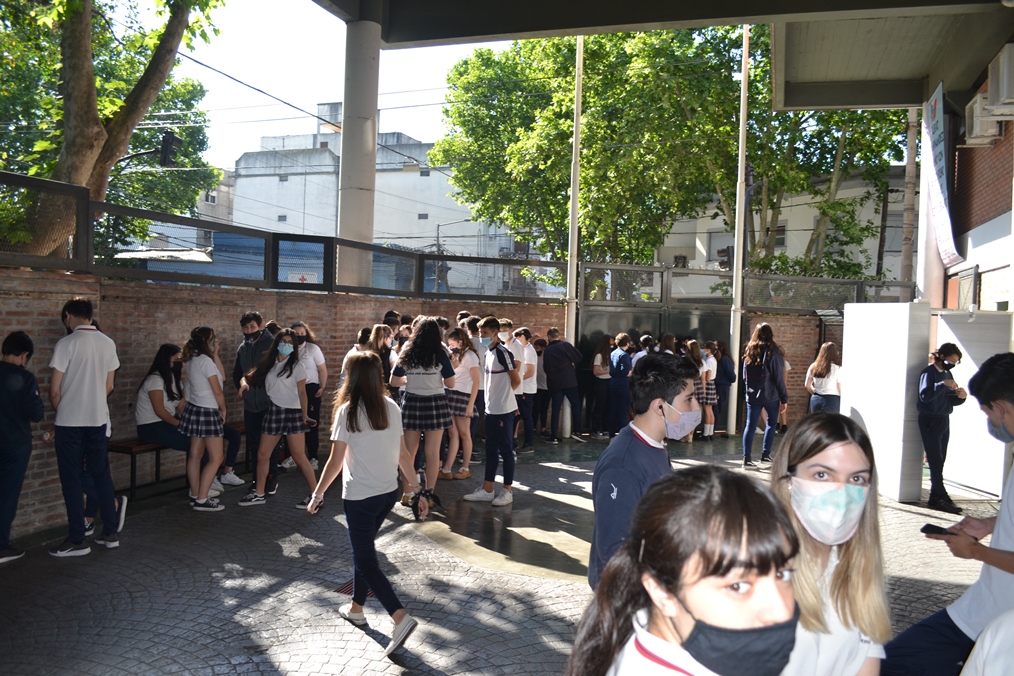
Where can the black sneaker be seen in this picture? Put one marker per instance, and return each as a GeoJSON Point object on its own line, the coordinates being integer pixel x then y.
{"type": "Point", "coordinates": [553, 441]}
{"type": "Point", "coordinates": [749, 464]}
{"type": "Point", "coordinates": [272, 487]}
{"type": "Point", "coordinates": [10, 554]}
{"type": "Point", "coordinates": [944, 505]}
{"type": "Point", "coordinates": [68, 548]}
{"type": "Point", "coordinates": [121, 513]}
{"type": "Point", "coordinates": [209, 505]}
{"type": "Point", "coordinates": [89, 528]}
{"type": "Point", "coordinates": [526, 449]}
{"type": "Point", "coordinates": [110, 540]}
{"type": "Point", "coordinates": [251, 499]}
{"type": "Point", "coordinates": [765, 458]}
{"type": "Point", "coordinates": [305, 502]}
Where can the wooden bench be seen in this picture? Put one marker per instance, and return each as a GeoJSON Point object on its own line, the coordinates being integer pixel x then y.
{"type": "Point", "coordinates": [135, 447]}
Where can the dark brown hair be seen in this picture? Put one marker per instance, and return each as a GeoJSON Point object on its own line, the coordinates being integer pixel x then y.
{"type": "Point", "coordinates": [364, 390]}
{"type": "Point", "coordinates": [827, 356]}
{"type": "Point", "coordinates": [761, 343]}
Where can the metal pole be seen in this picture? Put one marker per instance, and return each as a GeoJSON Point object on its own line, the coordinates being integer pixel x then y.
{"type": "Point", "coordinates": [575, 165]}
{"type": "Point", "coordinates": [740, 250]}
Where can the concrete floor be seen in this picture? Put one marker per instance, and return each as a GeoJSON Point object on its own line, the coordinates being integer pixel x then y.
{"type": "Point", "coordinates": [496, 589]}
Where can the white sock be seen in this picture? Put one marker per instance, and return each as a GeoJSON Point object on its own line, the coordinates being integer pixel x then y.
{"type": "Point", "coordinates": [709, 430]}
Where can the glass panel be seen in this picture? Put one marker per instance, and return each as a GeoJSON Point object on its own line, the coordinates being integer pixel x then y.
{"type": "Point", "coordinates": [638, 286]}
{"type": "Point", "coordinates": [701, 289]}
{"type": "Point", "coordinates": [301, 262]}
{"type": "Point", "coordinates": [494, 278]}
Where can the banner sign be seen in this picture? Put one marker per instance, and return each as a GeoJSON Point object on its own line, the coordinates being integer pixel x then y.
{"type": "Point", "coordinates": [934, 212]}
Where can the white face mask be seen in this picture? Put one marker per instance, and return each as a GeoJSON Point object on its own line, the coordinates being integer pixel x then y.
{"type": "Point", "coordinates": [504, 336]}
{"type": "Point", "coordinates": [830, 512]}
{"type": "Point", "coordinates": [688, 421]}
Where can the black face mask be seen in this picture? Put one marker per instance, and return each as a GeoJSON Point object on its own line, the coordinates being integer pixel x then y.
{"type": "Point", "coordinates": [300, 340]}
{"type": "Point", "coordinates": [253, 337]}
{"type": "Point", "coordinates": [729, 652]}
{"type": "Point", "coordinates": [947, 366]}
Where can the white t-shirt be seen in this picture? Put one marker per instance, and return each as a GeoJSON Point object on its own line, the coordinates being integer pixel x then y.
{"type": "Point", "coordinates": [198, 387]}
{"type": "Point", "coordinates": [85, 358]}
{"type": "Point", "coordinates": [371, 459]}
{"type": "Point", "coordinates": [645, 654]}
{"type": "Point", "coordinates": [827, 384]}
{"type": "Point", "coordinates": [530, 385]}
{"type": "Point", "coordinates": [463, 373]}
{"type": "Point", "coordinates": [144, 412]}
{"type": "Point", "coordinates": [993, 593]}
{"type": "Point", "coordinates": [519, 358]}
{"type": "Point", "coordinates": [499, 395]}
{"type": "Point", "coordinates": [636, 357]}
{"type": "Point", "coordinates": [842, 651]}
{"type": "Point", "coordinates": [311, 356]}
{"type": "Point", "coordinates": [480, 349]}
{"type": "Point", "coordinates": [711, 364]}
{"type": "Point", "coordinates": [992, 653]}
{"type": "Point", "coordinates": [598, 361]}
{"type": "Point", "coordinates": [345, 359]}
{"type": "Point", "coordinates": [284, 391]}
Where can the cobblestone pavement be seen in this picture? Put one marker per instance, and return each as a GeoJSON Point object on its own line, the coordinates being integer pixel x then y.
{"type": "Point", "coordinates": [496, 590]}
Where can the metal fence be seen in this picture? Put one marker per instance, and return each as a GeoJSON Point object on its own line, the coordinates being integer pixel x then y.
{"type": "Point", "coordinates": [51, 225]}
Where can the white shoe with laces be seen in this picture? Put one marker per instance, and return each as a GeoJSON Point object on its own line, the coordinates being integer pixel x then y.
{"type": "Point", "coordinates": [505, 497]}
{"type": "Point", "coordinates": [479, 495]}
{"type": "Point", "coordinates": [401, 632]}
{"type": "Point", "coordinates": [288, 463]}
{"type": "Point", "coordinates": [230, 479]}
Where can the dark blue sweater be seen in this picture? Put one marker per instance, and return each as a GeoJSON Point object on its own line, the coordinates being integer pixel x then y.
{"type": "Point", "coordinates": [935, 398]}
{"type": "Point", "coordinates": [622, 476]}
{"type": "Point", "coordinates": [20, 405]}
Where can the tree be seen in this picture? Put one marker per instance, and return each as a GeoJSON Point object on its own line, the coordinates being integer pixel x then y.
{"type": "Point", "coordinates": [94, 89]}
{"type": "Point", "coordinates": [659, 144]}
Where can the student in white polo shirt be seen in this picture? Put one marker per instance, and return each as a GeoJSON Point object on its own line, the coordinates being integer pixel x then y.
{"type": "Point", "coordinates": [84, 364]}
{"type": "Point", "coordinates": [529, 387]}
{"type": "Point", "coordinates": [502, 377]}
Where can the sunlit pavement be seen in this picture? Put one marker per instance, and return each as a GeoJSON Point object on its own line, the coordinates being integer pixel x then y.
{"type": "Point", "coordinates": [496, 589]}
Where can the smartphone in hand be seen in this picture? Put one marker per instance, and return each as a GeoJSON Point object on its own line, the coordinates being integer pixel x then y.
{"type": "Point", "coordinates": [931, 529]}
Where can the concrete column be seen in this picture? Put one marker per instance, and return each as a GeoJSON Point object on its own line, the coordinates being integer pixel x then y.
{"type": "Point", "coordinates": [358, 172]}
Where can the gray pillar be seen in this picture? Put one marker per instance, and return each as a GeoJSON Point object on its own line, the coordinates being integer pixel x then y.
{"type": "Point", "coordinates": [358, 173]}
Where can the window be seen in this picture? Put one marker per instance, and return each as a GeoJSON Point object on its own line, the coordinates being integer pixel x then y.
{"type": "Point", "coordinates": [283, 179]}
{"type": "Point", "coordinates": [719, 239]}
{"type": "Point", "coordinates": [323, 144]}
{"type": "Point", "coordinates": [424, 172]}
{"type": "Point", "coordinates": [424, 217]}
{"type": "Point", "coordinates": [210, 197]}
{"type": "Point", "coordinates": [282, 218]}
{"type": "Point", "coordinates": [780, 234]}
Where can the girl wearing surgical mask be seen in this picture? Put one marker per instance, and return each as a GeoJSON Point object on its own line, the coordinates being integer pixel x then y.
{"type": "Point", "coordinates": [282, 375]}
{"type": "Point", "coordinates": [702, 585]}
{"type": "Point", "coordinates": [825, 474]}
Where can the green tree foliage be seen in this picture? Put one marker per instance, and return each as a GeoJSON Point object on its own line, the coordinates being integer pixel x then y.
{"type": "Point", "coordinates": [84, 84]}
{"type": "Point", "coordinates": [659, 144]}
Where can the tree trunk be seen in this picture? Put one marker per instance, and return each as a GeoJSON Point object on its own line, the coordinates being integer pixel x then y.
{"type": "Point", "coordinates": [815, 247]}
{"type": "Point", "coordinates": [908, 231]}
{"type": "Point", "coordinates": [883, 234]}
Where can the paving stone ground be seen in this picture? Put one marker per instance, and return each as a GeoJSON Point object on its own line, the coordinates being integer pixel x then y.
{"type": "Point", "coordinates": [252, 590]}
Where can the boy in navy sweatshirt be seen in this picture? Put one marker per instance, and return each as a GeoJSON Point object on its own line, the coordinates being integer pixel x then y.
{"type": "Point", "coordinates": [938, 395]}
{"type": "Point", "coordinates": [662, 394]}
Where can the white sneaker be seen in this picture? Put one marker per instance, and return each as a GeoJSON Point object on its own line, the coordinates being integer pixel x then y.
{"type": "Point", "coordinates": [401, 632]}
{"type": "Point", "coordinates": [577, 437]}
{"type": "Point", "coordinates": [479, 495]}
{"type": "Point", "coordinates": [214, 492]}
{"type": "Point", "coordinates": [288, 463]}
{"type": "Point", "coordinates": [315, 464]}
{"type": "Point", "coordinates": [216, 485]}
{"type": "Point", "coordinates": [504, 498]}
{"type": "Point", "coordinates": [230, 479]}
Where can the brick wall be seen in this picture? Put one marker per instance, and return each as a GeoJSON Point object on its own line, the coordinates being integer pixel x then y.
{"type": "Point", "coordinates": [139, 317]}
{"type": "Point", "coordinates": [982, 181]}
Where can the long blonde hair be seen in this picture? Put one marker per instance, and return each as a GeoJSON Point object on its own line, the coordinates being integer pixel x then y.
{"type": "Point", "coordinates": [857, 589]}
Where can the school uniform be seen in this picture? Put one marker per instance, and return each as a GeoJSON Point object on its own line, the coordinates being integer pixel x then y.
{"type": "Point", "coordinates": [151, 428]}
{"type": "Point", "coordinates": [285, 416]}
{"type": "Point", "coordinates": [311, 357]}
{"type": "Point", "coordinates": [501, 407]}
{"type": "Point", "coordinates": [459, 396]}
{"type": "Point", "coordinates": [201, 417]}
{"type": "Point", "coordinates": [424, 405]}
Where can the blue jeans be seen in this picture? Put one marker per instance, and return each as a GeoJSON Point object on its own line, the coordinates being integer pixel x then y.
{"type": "Point", "coordinates": [933, 647]}
{"type": "Point", "coordinates": [830, 403]}
{"type": "Point", "coordinates": [619, 408]}
{"type": "Point", "coordinates": [364, 519]}
{"type": "Point", "coordinates": [80, 450]}
{"type": "Point", "coordinates": [13, 464]}
{"type": "Point", "coordinates": [526, 404]}
{"type": "Point", "coordinates": [499, 444]}
{"type": "Point", "coordinates": [753, 413]}
{"type": "Point", "coordinates": [313, 411]}
{"type": "Point", "coordinates": [574, 397]}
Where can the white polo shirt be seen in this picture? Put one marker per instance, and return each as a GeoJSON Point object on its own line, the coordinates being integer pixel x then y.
{"type": "Point", "coordinates": [518, 351]}
{"type": "Point", "coordinates": [85, 358]}
{"type": "Point", "coordinates": [283, 391]}
{"type": "Point", "coordinates": [144, 412]}
{"type": "Point", "coordinates": [499, 395]}
{"type": "Point", "coordinates": [200, 370]}
{"type": "Point", "coordinates": [530, 385]}
{"type": "Point", "coordinates": [311, 356]}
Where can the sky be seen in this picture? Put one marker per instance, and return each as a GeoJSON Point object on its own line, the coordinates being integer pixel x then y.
{"type": "Point", "coordinates": [298, 54]}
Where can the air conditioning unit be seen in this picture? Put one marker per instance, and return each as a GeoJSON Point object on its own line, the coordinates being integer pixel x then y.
{"type": "Point", "coordinates": [981, 128]}
{"type": "Point", "coordinates": [1001, 83]}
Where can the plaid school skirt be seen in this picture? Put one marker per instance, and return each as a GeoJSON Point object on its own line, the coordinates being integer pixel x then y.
{"type": "Point", "coordinates": [422, 414]}
{"type": "Point", "coordinates": [198, 421]}
{"type": "Point", "coordinates": [282, 421]}
{"type": "Point", "coordinates": [706, 395]}
{"type": "Point", "coordinates": [458, 403]}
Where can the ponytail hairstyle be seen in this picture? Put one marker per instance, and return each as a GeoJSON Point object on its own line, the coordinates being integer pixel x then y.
{"type": "Point", "coordinates": [857, 592]}
{"type": "Point", "coordinates": [161, 366]}
{"type": "Point", "coordinates": [363, 391]}
{"type": "Point", "coordinates": [256, 376]}
{"type": "Point", "coordinates": [828, 356]}
{"type": "Point", "coordinates": [703, 521]}
{"type": "Point", "coordinates": [378, 339]}
{"type": "Point", "coordinates": [694, 353]}
{"type": "Point", "coordinates": [461, 335]}
{"type": "Point", "coordinates": [199, 343]}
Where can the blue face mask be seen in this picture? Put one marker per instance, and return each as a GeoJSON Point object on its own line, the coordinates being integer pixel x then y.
{"type": "Point", "coordinates": [486, 341]}
{"type": "Point", "coordinates": [285, 349]}
{"type": "Point", "coordinates": [999, 432]}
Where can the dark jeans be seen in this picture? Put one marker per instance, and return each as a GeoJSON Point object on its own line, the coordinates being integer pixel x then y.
{"type": "Point", "coordinates": [541, 412]}
{"type": "Point", "coordinates": [574, 397]}
{"type": "Point", "coordinates": [936, 432]}
{"type": "Point", "coordinates": [231, 435]}
{"type": "Point", "coordinates": [312, 410]}
{"type": "Point", "coordinates": [254, 421]}
{"type": "Point", "coordinates": [719, 408]}
{"type": "Point", "coordinates": [364, 519]}
{"type": "Point", "coordinates": [600, 415]}
{"type": "Point", "coordinates": [619, 408]}
{"type": "Point", "coordinates": [161, 432]}
{"type": "Point", "coordinates": [80, 450]}
{"type": "Point", "coordinates": [933, 647]}
{"type": "Point", "coordinates": [499, 445]}
{"type": "Point", "coordinates": [480, 411]}
{"type": "Point", "coordinates": [526, 404]}
{"type": "Point", "coordinates": [13, 465]}
{"type": "Point", "coordinates": [753, 413]}
{"type": "Point", "coordinates": [830, 403]}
